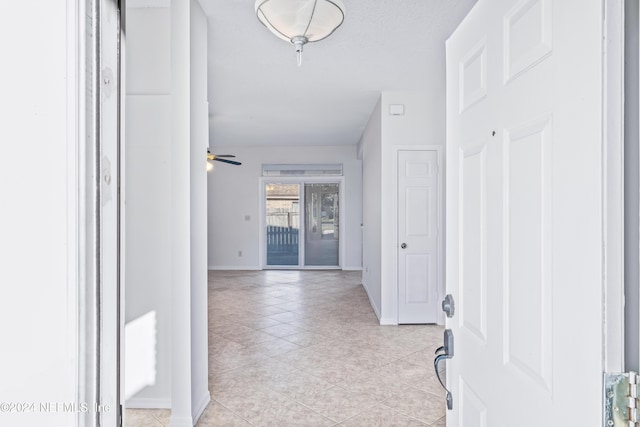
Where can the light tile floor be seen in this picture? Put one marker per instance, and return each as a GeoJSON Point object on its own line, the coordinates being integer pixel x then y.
{"type": "Point", "coordinates": [304, 348]}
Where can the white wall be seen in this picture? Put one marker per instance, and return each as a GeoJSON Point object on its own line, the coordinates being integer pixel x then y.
{"type": "Point", "coordinates": [166, 351]}
{"type": "Point", "coordinates": [38, 269]}
{"type": "Point", "coordinates": [234, 193]}
{"type": "Point", "coordinates": [148, 209]}
{"type": "Point", "coordinates": [180, 190]}
{"type": "Point", "coordinates": [422, 124]}
{"type": "Point", "coordinates": [166, 348]}
{"type": "Point", "coordinates": [371, 149]}
{"type": "Point", "coordinates": [199, 277]}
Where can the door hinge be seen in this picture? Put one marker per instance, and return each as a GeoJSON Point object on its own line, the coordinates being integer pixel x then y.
{"type": "Point", "coordinates": [621, 399]}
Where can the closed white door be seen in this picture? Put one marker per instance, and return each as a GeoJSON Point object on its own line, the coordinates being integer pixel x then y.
{"type": "Point", "coordinates": [418, 264]}
{"type": "Point", "coordinates": [524, 222]}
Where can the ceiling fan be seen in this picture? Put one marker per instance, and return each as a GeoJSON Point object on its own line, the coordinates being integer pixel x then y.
{"type": "Point", "coordinates": [221, 158]}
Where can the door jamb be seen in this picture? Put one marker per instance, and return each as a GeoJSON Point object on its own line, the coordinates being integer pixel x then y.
{"type": "Point", "coordinates": [613, 185]}
{"type": "Point", "coordinates": [97, 58]}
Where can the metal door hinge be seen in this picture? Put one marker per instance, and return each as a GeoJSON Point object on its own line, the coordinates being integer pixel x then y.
{"type": "Point", "coordinates": [621, 400]}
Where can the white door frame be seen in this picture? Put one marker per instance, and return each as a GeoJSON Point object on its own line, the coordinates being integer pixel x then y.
{"type": "Point", "coordinates": [613, 185]}
{"type": "Point", "coordinates": [263, 181]}
{"type": "Point", "coordinates": [439, 149]}
{"type": "Point", "coordinates": [99, 155]}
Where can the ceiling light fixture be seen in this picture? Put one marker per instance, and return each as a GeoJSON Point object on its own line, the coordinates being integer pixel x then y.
{"type": "Point", "coordinates": [300, 21]}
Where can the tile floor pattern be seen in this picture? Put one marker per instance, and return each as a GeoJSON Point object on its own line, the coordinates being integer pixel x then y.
{"type": "Point", "coordinates": [304, 348]}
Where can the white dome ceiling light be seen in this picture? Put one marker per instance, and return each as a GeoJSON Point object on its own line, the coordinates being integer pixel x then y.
{"type": "Point", "coordinates": [300, 21]}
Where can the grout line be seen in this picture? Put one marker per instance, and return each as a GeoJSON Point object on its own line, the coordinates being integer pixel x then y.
{"type": "Point", "coordinates": [312, 310]}
{"type": "Point", "coordinates": [232, 412]}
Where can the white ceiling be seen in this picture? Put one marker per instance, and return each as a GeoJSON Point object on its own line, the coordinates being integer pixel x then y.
{"type": "Point", "coordinates": [258, 95]}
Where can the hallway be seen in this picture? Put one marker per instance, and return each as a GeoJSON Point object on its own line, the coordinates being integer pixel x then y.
{"type": "Point", "coordinates": [304, 348]}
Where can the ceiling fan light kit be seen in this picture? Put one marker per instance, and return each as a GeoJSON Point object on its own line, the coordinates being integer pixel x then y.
{"type": "Point", "coordinates": [300, 21]}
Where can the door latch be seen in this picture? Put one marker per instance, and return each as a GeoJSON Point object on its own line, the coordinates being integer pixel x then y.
{"type": "Point", "coordinates": [448, 305]}
{"type": "Point", "coordinates": [443, 353]}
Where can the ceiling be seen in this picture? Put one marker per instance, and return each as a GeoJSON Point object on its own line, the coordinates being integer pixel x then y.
{"type": "Point", "coordinates": [259, 96]}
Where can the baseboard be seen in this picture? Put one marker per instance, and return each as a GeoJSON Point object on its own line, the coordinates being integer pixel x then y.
{"type": "Point", "coordinates": [387, 321]}
{"type": "Point", "coordinates": [181, 422]}
{"type": "Point", "coordinates": [376, 310]}
{"type": "Point", "coordinates": [235, 267]}
{"type": "Point", "coordinates": [202, 405]}
{"type": "Point", "coordinates": [147, 403]}
{"type": "Point", "coordinates": [254, 268]}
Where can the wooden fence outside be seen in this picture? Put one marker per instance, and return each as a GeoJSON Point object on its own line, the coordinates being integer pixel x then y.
{"type": "Point", "coordinates": [282, 240]}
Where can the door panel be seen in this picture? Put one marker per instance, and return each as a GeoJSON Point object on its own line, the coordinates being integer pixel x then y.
{"type": "Point", "coordinates": [417, 201]}
{"type": "Point", "coordinates": [528, 36]}
{"type": "Point", "coordinates": [282, 207]}
{"type": "Point", "coordinates": [527, 263]}
{"type": "Point", "coordinates": [322, 213]}
{"type": "Point", "coordinates": [418, 273]}
{"type": "Point", "coordinates": [473, 411]}
{"type": "Point", "coordinates": [473, 76]}
{"type": "Point", "coordinates": [473, 207]}
{"type": "Point", "coordinates": [524, 214]}
{"type": "Point", "coordinates": [418, 267]}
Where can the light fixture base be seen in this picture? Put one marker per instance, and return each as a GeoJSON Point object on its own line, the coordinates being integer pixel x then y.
{"type": "Point", "coordinates": [299, 42]}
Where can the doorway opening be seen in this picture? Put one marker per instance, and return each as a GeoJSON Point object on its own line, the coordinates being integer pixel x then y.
{"type": "Point", "coordinates": [301, 223]}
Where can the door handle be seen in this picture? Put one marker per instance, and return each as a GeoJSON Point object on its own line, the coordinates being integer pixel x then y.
{"type": "Point", "coordinates": [443, 353]}
{"type": "Point", "coordinates": [403, 246]}
{"type": "Point", "coordinates": [448, 305]}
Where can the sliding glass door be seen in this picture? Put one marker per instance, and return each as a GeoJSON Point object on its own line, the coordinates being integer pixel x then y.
{"type": "Point", "coordinates": [307, 237]}
{"type": "Point", "coordinates": [321, 240]}
{"type": "Point", "coordinates": [283, 224]}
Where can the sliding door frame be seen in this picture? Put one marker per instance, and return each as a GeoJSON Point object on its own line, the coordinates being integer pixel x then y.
{"type": "Point", "coordinates": [301, 181]}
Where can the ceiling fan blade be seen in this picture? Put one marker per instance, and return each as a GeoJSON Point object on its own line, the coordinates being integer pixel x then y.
{"type": "Point", "coordinates": [231, 162]}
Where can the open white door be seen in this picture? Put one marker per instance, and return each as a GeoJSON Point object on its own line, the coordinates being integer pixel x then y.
{"type": "Point", "coordinates": [524, 214]}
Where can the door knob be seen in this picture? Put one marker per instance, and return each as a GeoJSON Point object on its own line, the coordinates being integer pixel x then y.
{"type": "Point", "coordinates": [403, 246]}
{"type": "Point", "coordinates": [448, 305]}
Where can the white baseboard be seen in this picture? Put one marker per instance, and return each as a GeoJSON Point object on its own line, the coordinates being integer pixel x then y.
{"type": "Point", "coordinates": [201, 406]}
{"type": "Point", "coordinates": [376, 310]}
{"type": "Point", "coordinates": [147, 403]}
{"type": "Point", "coordinates": [235, 267]}
{"type": "Point", "coordinates": [387, 321]}
{"type": "Point", "coordinates": [181, 422]}
{"type": "Point", "coordinates": [253, 268]}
